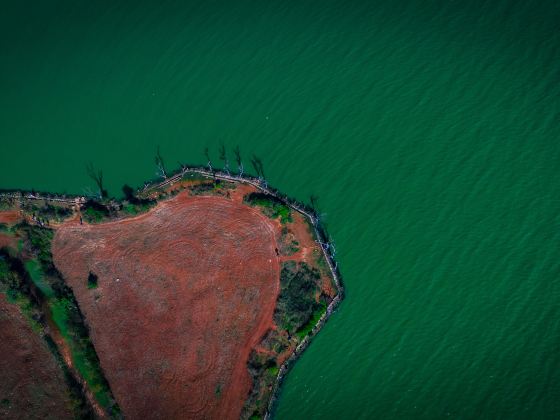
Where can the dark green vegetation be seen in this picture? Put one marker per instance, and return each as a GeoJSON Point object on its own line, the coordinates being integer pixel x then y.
{"type": "Point", "coordinates": [95, 212]}
{"type": "Point", "coordinates": [49, 212]}
{"type": "Point", "coordinates": [216, 187]}
{"type": "Point", "coordinates": [297, 302]}
{"type": "Point", "coordinates": [270, 205]}
{"type": "Point", "coordinates": [92, 281]}
{"type": "Point", "coordinates": [19, 288]}
{"type": "Point", "coordinates": [298, 308]}
{"type": "Point", "coordinates": [134, 205]}
{"type": "Point", "coordinates": [263, 370]}
{"type": "Point", "coordinates": [31, 280]}
{"type": "Point", "coordinates": [100, 210]}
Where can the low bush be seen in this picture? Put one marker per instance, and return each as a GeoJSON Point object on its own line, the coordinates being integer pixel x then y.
{"type": "Point", "coordinates": [270, 205]}
{"type": "Point", "coordinates": [296, 302]}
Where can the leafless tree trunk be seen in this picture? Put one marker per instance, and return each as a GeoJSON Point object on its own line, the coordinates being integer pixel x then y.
{"type": "Point", "coordinates": [160, 165]}
{"type": "Point", "coordinates": [258, 166]}
{"type": "Point", "coordinates": [223, 158]}
{"type": "Point", "coordinates": [207, 154]}
{"type": "Point", "coordinates": [97, 176]}
{"type": "Point", "coordinates": [237, 153]}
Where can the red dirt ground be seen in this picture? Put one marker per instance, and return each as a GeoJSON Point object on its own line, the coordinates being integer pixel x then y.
{"type": "Point", "coordinates": [7, 240]}
{"type": "Point", "coordinates": [10, 217]}
{"type": "Point", "coordinates": [32, 384]}
{"type": "Point", "coordinates": [185, 292]}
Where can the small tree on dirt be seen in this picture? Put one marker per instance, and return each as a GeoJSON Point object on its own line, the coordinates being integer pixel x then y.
{"type": "Point", "coordinates": [97, 176]}
{"type": "Point", "coordinates": [160, 165]}
{"type": "Point", "coordinates": [92, 281]}
{"type": "Point", "coordinates": [237, 153]}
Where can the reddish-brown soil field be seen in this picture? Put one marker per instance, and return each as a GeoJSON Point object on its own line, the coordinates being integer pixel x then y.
{"type": "Point", "coordinates": [10, 217]}
{"type": "Point", "coordinates": [32, 384]}
{"type": "Point", "coordinates": [184, 293]}
{"type": "Point", "coordinates": [7, 240]}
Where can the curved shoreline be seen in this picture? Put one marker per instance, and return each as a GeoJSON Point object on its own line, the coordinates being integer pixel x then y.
{"type": "Point", "coordinates": [260, 184]}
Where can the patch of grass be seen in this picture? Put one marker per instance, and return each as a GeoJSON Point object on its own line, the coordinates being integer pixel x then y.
{"type": "Point", "coordinates": [65, 314]}
{"type": "Point", "coordinates": [59, 312]}
{"type": "Point", "coordinates": [34, 269]}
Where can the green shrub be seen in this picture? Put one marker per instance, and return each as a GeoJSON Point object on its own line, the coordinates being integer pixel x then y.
{"type": "Point", "coordinates": [94, 212]}
{"type": "Point", "coordinates": [270, 205]}
{"type": "Point", "coordinates": [92, 281]}
{"type": "Point", "coordinates": [296, 303]}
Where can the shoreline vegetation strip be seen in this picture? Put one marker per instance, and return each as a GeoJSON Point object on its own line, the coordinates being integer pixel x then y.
{"type": "Point", "coordinates": [261, 185]}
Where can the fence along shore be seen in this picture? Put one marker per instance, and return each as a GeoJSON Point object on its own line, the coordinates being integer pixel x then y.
{"type": "Point", "coordinates": [261, 185]}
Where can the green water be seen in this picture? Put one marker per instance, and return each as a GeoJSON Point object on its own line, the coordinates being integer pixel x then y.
{"type": "Point", "coordinates": [429, 130]}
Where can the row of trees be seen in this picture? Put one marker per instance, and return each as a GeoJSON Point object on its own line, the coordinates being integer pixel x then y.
{"type": "Point", "coordinates": [97, 174]}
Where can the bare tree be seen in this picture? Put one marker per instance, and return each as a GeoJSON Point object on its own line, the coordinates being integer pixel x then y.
{"type": "Point", "coordinates": [223, 157]}
{"type": "Point", "coordinates": [207, 154]}
{"type": "Point", "coordinates": [313, 199]}
{"type": "Point", "coordinates": [258, 166]}
{"type": "Point", "coordinates": [182, 165]}
{"type": "Point", "coordinates": [160, 165]}
{"type": "Point", "coordinates": [237, 153]}
{"type": "Point", "coordinates": [97, 176]}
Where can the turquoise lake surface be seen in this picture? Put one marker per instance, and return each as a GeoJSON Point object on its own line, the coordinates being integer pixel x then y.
{"type": "Point", "coordinates": [429, 130]}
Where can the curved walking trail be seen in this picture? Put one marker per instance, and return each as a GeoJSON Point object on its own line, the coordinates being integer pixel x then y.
{"type": "Point", "coordinates": [323, 241]}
